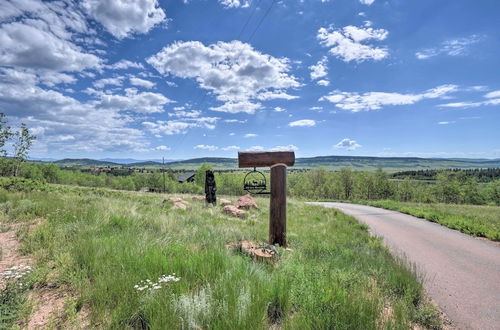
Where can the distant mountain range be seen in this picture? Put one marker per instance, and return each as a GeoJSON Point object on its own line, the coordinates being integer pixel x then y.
{"type": "Point", "coordinates": [330, 162]}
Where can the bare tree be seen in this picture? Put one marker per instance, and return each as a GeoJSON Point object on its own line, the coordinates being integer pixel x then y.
{"type": "Point", "coordinates": [22, 144]}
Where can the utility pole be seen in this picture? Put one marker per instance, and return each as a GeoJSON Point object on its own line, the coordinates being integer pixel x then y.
{"type": "Point", "coordinates": [163, 170]}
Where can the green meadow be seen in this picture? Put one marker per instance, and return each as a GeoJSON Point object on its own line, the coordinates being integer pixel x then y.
{"type": "Point", "coordinates": [475, 220]}
{"type": "Point", "coordinates": [128, 261]}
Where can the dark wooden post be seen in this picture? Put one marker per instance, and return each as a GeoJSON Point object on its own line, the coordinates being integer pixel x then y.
{"type": "Point", "coordinates": [278, 161]}
{"type": "Point", "coordinates": [277, 206]}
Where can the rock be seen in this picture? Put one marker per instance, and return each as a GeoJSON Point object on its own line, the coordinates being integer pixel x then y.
{"type": "Point", "coordinates": [257, 251]}
{"type": "Point", "coordinates": [179, 206]}
{"type": "Point", "coordinates": [246, 202]}
{"type": "Point", "coordinates": [233, 210]}
{"type": "Point", "coordinates": [198, 198]}
{"type": "Point", "coordinates": [175, 199]}
{"type": "Point", "coordinates": [224, 201]}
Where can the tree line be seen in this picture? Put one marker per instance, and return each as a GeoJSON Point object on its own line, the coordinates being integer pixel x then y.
{"type": "Point", "coordinates": [481, 174]}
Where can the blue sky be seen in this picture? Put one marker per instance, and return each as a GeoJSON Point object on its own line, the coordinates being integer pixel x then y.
{"type": "Point", "coordinates": [144, 78]}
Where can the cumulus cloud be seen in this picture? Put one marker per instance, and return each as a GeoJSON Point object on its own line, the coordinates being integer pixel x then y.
{"type": "Point", "coordinates": [454, 47]}
{"type": "Point", "coordinates": [205, 147]}
{"type": "Point", "coordinates": [303, 123]}
{"type": "Point", "coordinates": [367, 2]}
{"type": "Point", "coordinates": [101, 83]}
{"type": "Point", "coordinates": [349, 43]}
{"type": "Point", "coordinates": [233, 71]}
{"type": "Point", "coordinates": [320, 69]}
{"type": "Point", "coordinates": [65, 124]}
{"type": "Point", "coordinates": [279, 109]}
{"type": "Point", "coordinates": [33, 45]}
{"type": "Point", "coordinates": [347, 144]}
{"type": "Point", "coordinates": [123, 18]}
{"type": "Point", "coordinates": [124, 64]}
{"type": "Point", "coordinates": [323, 82]}
{"type": "Point", "coordinates": [140, 102]}
{"type": "Point", "coordinates": [250, 135]}
{"type": "Point", "coordinates": [181, 126]}
{"type": "Point", "coordinates": [355, 102]}
{"type": "Point", "coordinates": [141, 82]}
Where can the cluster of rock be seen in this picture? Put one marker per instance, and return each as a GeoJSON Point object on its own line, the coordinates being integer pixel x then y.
{"type": "Point", "coordinates": [243, 203]}
{"type": "Point", "coordinates": [179, 203]}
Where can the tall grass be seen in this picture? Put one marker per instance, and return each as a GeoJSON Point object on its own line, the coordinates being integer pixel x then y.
{"type": "Point", "coordinates": [101, 244]}
{"type": "Point", "coordinates": [475, 220]}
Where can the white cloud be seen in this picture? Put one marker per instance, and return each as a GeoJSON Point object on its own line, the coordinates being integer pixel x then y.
{"type": "Point", "coordinates": [230, 148]}
{"type": "Point", "coordinates": [162, 148]}
{"type": "Point", "coordinates": [140, 102]}
{"type": "Point", "coordinates": [289, 147]}
{"type": "Point", "coordinates": [236, 107]}
{"type": "Point", "coordinates": [303, 123]}
{"type": "Point", "coordinates": [376, 100]}
{"type": "Point", "coordinates": [33, 45]}
{"type": "Point", "coordinates": [235, 121]}
{"type": "Point", "coordinates": [125, 64]}
{"type": "Point", "coordinates": [101, 83]}
{"type": "Point", "coordinates": [454, 47]}
{"type": "Point", "coordinates": [63, 123]}
{"type": "Point", "coordinates": [471, 104]}
{"type": "Point", "coordinates": [320, 69]}
{"type": "Point", "coordinates": [279, 109]}
{"type": "Point", "coordinates": [256, 148]}
{"type": "Point", "coordinates": [494, 94]}
{"type": "Point", "coordinates": [181, 126]}
{"type": "Point", "coordinates": [123, 18]}
{"type": "Point", "coordinates": [347, 43]}
{"type": "Point", "coordinates": [185, 113]}
{"type": "Point", "coordinates": [235, 72]}
{"type": "Point", "coordinates": [367, 2]}
{"type": "Point", "coordinates": [141, 82]}
{"type": "Point", "coordinates": [235, 3]}
{"type": "Point", "coordinates": [323, 82]}
{"type": "Point", "coordinates": [316, 108]}
{"type": "Point", "coordinates": [347, 144]}
{"type": "Point", "coordinates": [250, 135]}
{"type": "Point", "coordinates": [205, 147]}
{"type": "Point", "coordinates": [492, 98]}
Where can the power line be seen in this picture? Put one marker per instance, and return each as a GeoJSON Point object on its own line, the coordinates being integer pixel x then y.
{"type": "Point", "coordinates": [262, 20]}
{"type": "Point", "coordinates": [248, 20]}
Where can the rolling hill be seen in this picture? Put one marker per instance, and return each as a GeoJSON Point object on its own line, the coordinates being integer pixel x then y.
{"type": "Point", "coordinates": [390, 164]}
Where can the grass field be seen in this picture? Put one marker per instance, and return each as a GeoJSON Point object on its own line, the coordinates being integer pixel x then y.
{"type": "Point", "coordinates": [475, 220]}
{"type": "Point", "coordinates": [102, 246]}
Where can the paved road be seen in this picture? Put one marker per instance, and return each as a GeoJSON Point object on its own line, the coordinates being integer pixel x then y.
{"type": "Point", "coordinates": [462, 274]}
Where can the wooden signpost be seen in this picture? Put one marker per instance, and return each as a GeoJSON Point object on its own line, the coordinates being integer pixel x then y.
{"type": "Point", "coordinates": [278, 162]}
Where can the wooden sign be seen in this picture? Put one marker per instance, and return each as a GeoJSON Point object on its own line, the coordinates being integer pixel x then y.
{"type": "Point", "coordinates": [278, 162]}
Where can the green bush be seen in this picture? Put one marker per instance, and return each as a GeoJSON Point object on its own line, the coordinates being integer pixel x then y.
{"type": "Point", "coordinates": [14, 184]}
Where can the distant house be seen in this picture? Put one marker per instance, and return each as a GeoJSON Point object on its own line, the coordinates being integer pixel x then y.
{"type": "Point", "coordinates": [186, 177]}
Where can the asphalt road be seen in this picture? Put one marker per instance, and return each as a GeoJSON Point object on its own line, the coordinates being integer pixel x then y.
{"type": "Point", "coordinates": [461, 273]}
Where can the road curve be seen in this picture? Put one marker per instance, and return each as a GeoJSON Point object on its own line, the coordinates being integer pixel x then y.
{"type": "Point", "coordinates": [462, 274]}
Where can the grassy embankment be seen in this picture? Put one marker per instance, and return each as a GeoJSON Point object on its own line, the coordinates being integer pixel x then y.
{"type": "Point", "coordinates": [99, 244]}
{"type": "Point", "coordinates": [475, 220]}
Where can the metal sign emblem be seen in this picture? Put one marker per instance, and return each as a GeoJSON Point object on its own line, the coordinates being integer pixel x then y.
{"type": "Point", "coordinates": [255, 182]}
